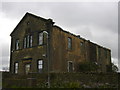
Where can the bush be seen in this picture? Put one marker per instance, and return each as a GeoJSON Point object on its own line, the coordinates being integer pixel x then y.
{"type": "Point", "coordinates": [88, 66]}
{"type": "Point", "coordinates": [72, 85]}
{"type": "Point", "coordinates": [114, 68]}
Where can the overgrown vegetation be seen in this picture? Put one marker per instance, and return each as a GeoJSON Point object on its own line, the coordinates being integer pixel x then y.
{"type": "Point", "coordinates": [114, 68]}
{"type": "Point", "coordinates": [88, 67]}
{"type": "Point", "coordinates": [64, 80]}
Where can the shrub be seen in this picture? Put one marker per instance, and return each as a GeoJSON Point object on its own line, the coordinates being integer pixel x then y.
{"type": "Point", "coordinates": [88, 66]}
{"type": "Point", "coordinates": [114, 68]}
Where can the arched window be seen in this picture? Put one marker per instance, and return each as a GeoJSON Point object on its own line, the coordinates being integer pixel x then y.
{"type": "Point", "coordinates": [17, 44]}
{"type": "Point", "coordinates": [40, 38]}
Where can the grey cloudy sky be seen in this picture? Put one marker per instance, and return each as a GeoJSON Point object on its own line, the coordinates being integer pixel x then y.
{"type": "Point", "coordinates": [96, 21]}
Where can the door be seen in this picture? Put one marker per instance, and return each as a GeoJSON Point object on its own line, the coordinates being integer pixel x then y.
{"type": "Point", "coordinates": [27, 68]}
{"type": "Point", "coordinates": [70, 66]}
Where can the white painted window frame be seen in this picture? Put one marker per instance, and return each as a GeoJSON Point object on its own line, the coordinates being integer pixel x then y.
{"type": "Point", "coordinates": [40, 64]}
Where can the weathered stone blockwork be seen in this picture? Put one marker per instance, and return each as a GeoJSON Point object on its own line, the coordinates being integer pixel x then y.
{"type": "Point", "coordinates": [54, 51]}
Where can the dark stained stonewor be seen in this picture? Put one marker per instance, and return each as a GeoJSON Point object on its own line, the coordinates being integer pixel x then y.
{"type": "Point", "coordinates": [52, 49]}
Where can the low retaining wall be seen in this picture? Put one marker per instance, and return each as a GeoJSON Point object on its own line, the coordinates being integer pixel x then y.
{"type": "Point", "coordinates": [61, 80]}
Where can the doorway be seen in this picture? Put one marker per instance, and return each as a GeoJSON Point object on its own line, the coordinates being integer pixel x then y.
{"type": "Point", "coordinates": [27, 68]}
{"type": "Point", "coordinates": [70, 66]}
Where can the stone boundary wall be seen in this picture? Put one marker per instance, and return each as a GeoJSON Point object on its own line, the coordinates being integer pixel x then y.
{"type": "Point", "coordinates": [62, 80]}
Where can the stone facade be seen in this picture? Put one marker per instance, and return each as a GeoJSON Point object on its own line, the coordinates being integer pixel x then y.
{"type": "Point", "coordinates": [56, 50]}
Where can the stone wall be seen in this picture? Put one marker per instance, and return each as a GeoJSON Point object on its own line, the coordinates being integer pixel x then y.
{"type": "Point", "coordinates": [61, 80]}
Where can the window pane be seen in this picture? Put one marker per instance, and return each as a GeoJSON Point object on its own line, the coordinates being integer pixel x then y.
{"type": "Point", "coordinates": [69, 43]}
{"type": "Point", "coordinates": [40, 62]}
{"type": "Point", "coordinates": [16, 67]}
{"type": "Point", "coordinates": [40, 67]}
{"type": "Point", "coordinates": [27, 41]}
{"type": "Point", "coordinates": [17, 44]}
{"type": "Point", "coordinates": [40, 38]}
{"type": "Point", "coordinates": [16, 64]}
{"type": "Point", "coordinates": [30, 41]}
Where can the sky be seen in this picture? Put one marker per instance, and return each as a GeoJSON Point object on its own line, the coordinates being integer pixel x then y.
{"type": "Point", "coordinates": [94, 21]}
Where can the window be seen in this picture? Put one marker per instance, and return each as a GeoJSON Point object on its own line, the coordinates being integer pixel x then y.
{"type": "Point", "coordinates": [25, 42]}
{"type": "Point", "coordinates": [30, 41]}
{"type": "Point", "coordinates": [69, 43]}
{"type": "Point", "coordinates": [40, 65]}
{"type": "Point", "coordinates": [17, 44]}
{"type": "Point", "coordinates": [81, 43]}
{"type": "Point", "coordinates": [82, 47]}
{"type": "Point", "coordinates": [16, 68]}
{"type": "Point", "coordinates": [40, 40]}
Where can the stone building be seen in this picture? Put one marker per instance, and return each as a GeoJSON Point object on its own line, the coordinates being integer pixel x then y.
{"type": "Point", "coordinates": [39, 46]}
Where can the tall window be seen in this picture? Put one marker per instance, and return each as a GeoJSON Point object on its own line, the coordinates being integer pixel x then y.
{"type": "Point", "coordinates": [69, 43]}
{"type": "Point", "coordinates": [30, 41]}
{"type": "Point", "coordinates": [16, 67]}
{"type": "Point", "coordinates": [82, 47]}
{"type": "Point", "coordinates": [17, 44]}
{"type": "Point", "coordinates": [25, 42]}
{"type": "Point", "coordinates": [40, 65]}
{"type": "Point", "coordinates": [40, 40]}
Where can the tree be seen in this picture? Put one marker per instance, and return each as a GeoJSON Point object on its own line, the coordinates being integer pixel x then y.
{"type": "Point", "coordinates": [5, 69]}
{"type": "Point", "coordinates": [114, 68]}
